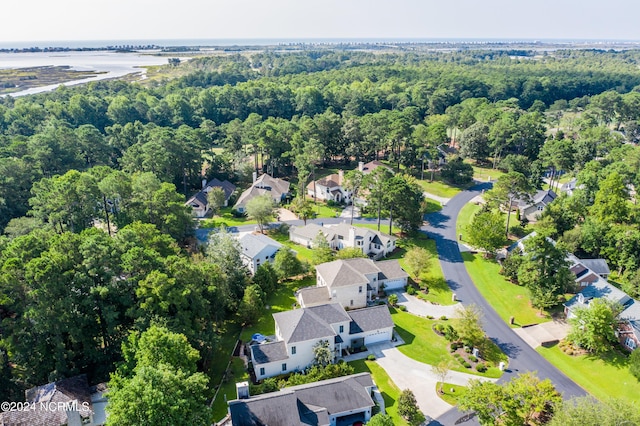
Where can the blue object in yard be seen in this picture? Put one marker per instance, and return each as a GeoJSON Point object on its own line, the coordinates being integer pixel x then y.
{"type": "Point", "coordinates": [258, 338]}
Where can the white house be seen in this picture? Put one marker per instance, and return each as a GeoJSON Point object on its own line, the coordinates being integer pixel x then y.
{"type": "Point", "coordinates": [299, 330]}
{"type": "Point", "coordinates": [343, 400]}
{"type": "Point", "coordinates": [330, 188]}
{"type": "Point", "coordinates": [375, 244]}
{"type": "Point", "coordinates": [352, 282]}
{"type": "Point", "coordinates": [265, 184]}
{"type": "Point", "coordinates": [199, 203]}
{"type": "Point", "coordinates": [257, 249]}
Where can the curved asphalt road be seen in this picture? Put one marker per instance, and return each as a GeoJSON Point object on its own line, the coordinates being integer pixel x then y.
{"type": "Point", "coordinates": [522, 358]}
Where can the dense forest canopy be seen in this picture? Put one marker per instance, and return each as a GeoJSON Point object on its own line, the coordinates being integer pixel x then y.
{"type": "Point", "coordinates": [93, 179]}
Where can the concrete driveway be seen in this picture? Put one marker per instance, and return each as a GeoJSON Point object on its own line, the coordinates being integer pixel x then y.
{"type": "Point", "coordinates": [421, 308]}
{"type": "Point", "coordinates": [540, 334]}
{"type": "Point", "coordinates": [407, 373]}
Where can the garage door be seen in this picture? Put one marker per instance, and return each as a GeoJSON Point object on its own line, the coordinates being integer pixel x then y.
{"type": "Point", "coordinates": [394, 285]}
{"type": "Point", "coordinates": [382, 336]}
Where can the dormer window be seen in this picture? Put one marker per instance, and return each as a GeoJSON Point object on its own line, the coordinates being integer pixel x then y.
{"type": "Point", "coordinates": [580, 298]}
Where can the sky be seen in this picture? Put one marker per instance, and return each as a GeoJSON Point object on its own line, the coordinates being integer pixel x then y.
{"type": "Point", "coordinates": [52, 20]}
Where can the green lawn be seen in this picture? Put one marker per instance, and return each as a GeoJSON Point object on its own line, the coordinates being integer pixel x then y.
{"type": "Point", "coordinates": [439, 291]}
{"type": "Point", "coordinates": [439, 188]}
{"type": "Point", "coordinates": [304, 253]}
{"type": "Point", "coordinates": [605, 376]}
{"type": "Point", "coordinates": [506, 298]}
{"type": "Point", "coordinates": [465, 217]}
{"type": "Point", "coordinates": [227, 219]}
{"type": "Point", "coordinates": [431, 206]}
{"type": "Point", "coordinates": [484, 173]}
{"type": "Point", "coordinates": [237, 374]}
{"type": "Point", "coordinates": [448, 396]}
{"type": "Point", "coordinates": [424, 345]}
{"type": "Point", "coordinates": [322, 210]}
{"type": "Point", "coordinates": [282, 300]}
{"type": "Point", "coordinates": [390, 392]}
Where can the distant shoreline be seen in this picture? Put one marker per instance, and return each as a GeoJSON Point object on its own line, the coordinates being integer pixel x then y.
{"type": "Point", "coordinates": [170, 45]}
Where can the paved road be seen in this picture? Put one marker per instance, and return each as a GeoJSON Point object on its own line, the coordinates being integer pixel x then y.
{"type": "Point", "coordinates": [522, 358]}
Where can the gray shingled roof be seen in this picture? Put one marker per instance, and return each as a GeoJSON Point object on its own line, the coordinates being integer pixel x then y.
{"type": "Point", "coordinates": [311, 230]}
{"type": "Point", "coordinates": [331, 313]}
{"type": "Point", "coordinates": [541, 197]}
{"type": "Point", "coordinates": [275, 408]}
{"type": "Point", "coordinates": [600, 288]}
{"type": "Point", "coordinates": [347, 272]}
{"type": "Point", "coordinates": [265, 184]}
{"type": "Point", "coordinates": [259, 245]}
{"type": "Point", "coordinates": [390, 270]}
{"type": "Point", "coordinates": [599, 266]}
{"type": "Point", "coordinates": [269, 352]}
{"type": "Point", "coordinates": [369, 319]}
{"type": "Point", "coordinates": [309, 404]}
{"type": "Point", "coordinates": [63, 391]}
{"type": "Point", "coordinates": [314, 295]}
{"type": "Point", "coordinates": [300, 325]}
{"type": "Point", "coordinates": [226, 186]}
{"type": "Point", "coordinates": [342, 273]}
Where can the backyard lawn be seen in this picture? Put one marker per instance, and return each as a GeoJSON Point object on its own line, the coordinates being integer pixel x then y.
{"type": "Point", "coordinates": [227, 219]}
{"type": "Point", "coordinates": [390, 392]}
{"type": "Point", "coordinates": [602, 376]}
{"type": "Point", "coordinates": [282, 300]}
{"type": "Point", "coordinates": [506, 298]}
{"type": "Point", "coordinates": [424, 345]}
{"type": "Point", "coordinates": [228, 388]}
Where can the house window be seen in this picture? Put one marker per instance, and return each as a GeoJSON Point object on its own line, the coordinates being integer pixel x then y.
{"type": "Point", "coordinates": [284, 366]}
{"type": "Point", "coordinates": [360, 289]}
{"type": "Point", "coordinates": [262, 371]}
{"type": "Point", "coordinates": [293, 350]}
{"type": "Point", "coordinates": [540, 208]}
{"type": "Point", "coordinates": [342, 329]}
{"type": "Point", "coordinates": [630, 343]}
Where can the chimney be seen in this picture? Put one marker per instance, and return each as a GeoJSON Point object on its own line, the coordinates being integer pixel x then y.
{"type": "Point", "coordinates": [204, 183]}
{"type": "Point", "coordinates": [340, 176]}
{"type": "Point", "coordinates": [361, 166]}
{"type": "Point", "coordinates": [242, 389]}
{"type": "Point", "coordinates": [254, 175]}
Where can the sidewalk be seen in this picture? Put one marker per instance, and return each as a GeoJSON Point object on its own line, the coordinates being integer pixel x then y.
{"type": "Point", "coordinates": [441, 200]}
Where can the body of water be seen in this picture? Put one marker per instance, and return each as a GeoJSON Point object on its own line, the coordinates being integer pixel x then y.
{"type": "Point", "coordinates": [110, 64]}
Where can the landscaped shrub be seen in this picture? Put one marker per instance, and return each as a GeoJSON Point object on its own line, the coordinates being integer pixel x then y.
{"type": "Point", "coordinates": [411, 290]}
{"type": "Point", "coordinates": [371, 357]}
{"type": "Point", "coordinates": [439, 328]}
{"type": "Point", "coordinates": [457, 356]}
{"type": "Point", "coordinates": [466, 364]}
{"type": "Point", "coordinates": [455, 345]}
{"type": "Point", "coordinates": [402, 308]}
{"type": "Point", "coordinates": [430, 317]}
{"type": "Point", "coordinates": [467, 349]}
{"type": "Point", "coordinates": [450, 333]}
{"type": "Point", "coordinates": [473, 358]}
{"type": "Point", "coordinates": [393, 299]}
{"type": "Point", "coordinates": [481, 368]}
{"type": "Point", "coordinates": [443, 318]}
